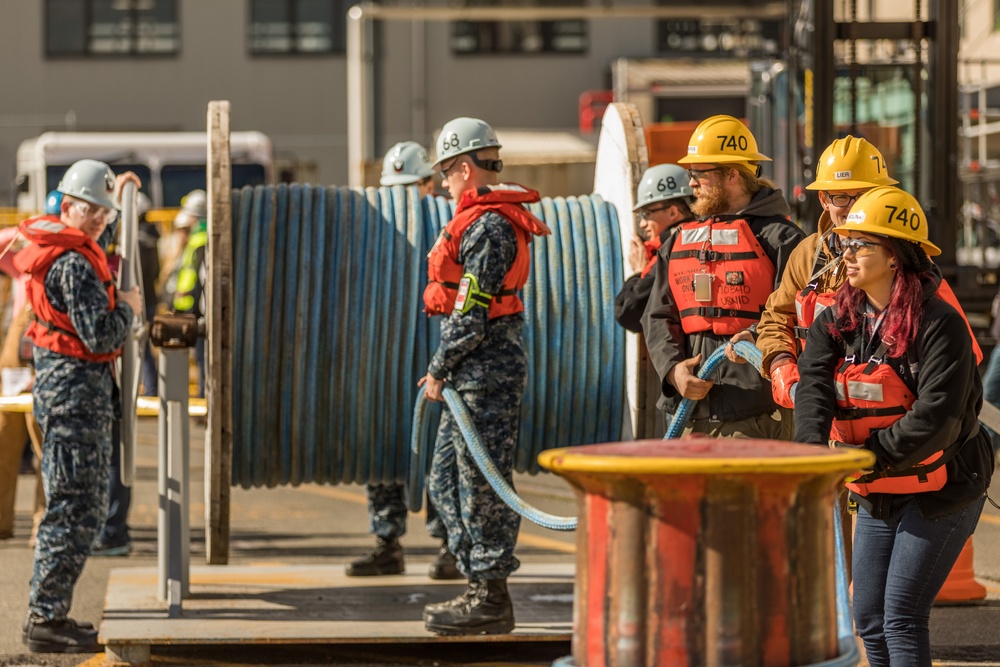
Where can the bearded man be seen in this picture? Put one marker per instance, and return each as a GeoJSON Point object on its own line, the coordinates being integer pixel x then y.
{"type": "Point", "coordinates": [712, 281]}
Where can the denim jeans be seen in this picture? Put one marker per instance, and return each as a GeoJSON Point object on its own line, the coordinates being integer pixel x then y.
{"type": "Point", "coordinates": [900, 565]}
{"type": "Point", "coordinates": [991, 389]}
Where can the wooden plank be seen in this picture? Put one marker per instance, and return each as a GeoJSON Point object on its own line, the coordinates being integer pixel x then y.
{"type": "Point", "coordinates": [308, 604]}
{"type": "Point", "coordinates": [219, 448]}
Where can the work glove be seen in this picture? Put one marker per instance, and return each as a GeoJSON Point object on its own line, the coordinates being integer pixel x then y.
{"type": "Point", "coordinates": [784, 377]}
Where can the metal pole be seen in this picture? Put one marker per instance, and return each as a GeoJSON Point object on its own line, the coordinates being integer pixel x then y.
{"type": "Point", "coordinates": [173, 539]}
{"type": "Point", "coordinates": [943, 90]}
{"type": "Point", "coordinates": [359, 140]}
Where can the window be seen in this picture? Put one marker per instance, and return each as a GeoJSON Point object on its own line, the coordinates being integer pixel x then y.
{"type": "Point", "coordinates": [298, 26]}
{"type": "Point", "coordinates": [719, 36]}
{"type": "Point", "coordinates": [492, 37]}
{"type": "Point", "coordinates": [111, 27]}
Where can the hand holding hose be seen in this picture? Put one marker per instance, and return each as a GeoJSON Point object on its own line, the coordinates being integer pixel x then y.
{"type": "Point", "coordinates": [744, 335]}
{"type": "Point", "coordinates": [688, 385]}
{"type": "Point", "coordinates": [433, 389]}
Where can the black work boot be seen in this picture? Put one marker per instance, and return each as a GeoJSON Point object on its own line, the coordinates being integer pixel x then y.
{"type": "Point", "coordinates": [386, 557]}
{"type": "Point", "coordinates": [60, 636]}
{"type": "Point", "coordinates": [486, 610]}
{"type": "Point", "coordinates": [437, 607]}
{"type": "Point", "coordinates": [444, 566]}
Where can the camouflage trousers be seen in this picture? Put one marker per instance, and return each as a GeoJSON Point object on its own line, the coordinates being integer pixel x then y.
{"type": "Point", "coordinates": [482, 530]}
{"type": "Point", "coordinates": [76, 452]}
{"type": "Point", "coordinates": [387, 513]}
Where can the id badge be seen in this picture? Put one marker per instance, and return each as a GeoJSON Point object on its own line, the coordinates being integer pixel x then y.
{"type": "Point", "coordinates": [703, 287]}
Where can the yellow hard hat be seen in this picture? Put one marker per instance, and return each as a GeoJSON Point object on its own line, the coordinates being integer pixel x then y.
{"type": "Point", "coordinates": [889, 211]}
{"type": "Point", "coordinates": [850, 164]}
{"type": "Point", "coordinates": [722, 140]}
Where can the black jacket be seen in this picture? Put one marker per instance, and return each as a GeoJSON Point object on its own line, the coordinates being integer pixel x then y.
{"type": "Point", "coordinates": [631, 300]}
{"type": "Point", "coordinates": [949, 396]}
{"type": "Point", "coordinates": [739, 391]}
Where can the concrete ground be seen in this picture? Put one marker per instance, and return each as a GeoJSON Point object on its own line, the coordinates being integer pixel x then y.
{"type": "Point", "coordinates": [323, 525]}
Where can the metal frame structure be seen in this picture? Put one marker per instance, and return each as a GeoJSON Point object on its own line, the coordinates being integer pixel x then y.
{"type": "Point", "coordinates": [940, 33]}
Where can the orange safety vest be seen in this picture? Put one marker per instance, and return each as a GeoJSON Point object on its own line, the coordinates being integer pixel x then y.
{"type": "Point", "coordinates": [871, 396]}
{"type": "Point", "coordinates": [443, 269]}
{"type": "Point", "coordinates": [719, 276]}
{"type": "Point", "coordinates": [51, 328]}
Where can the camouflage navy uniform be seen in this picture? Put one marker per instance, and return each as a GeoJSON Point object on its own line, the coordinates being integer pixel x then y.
{"type": "Point", "coordinates": [75, 402]}
{"type": "Point", "coordinates": [387, 513]}
{"type": "Point", "coordinates": [485, 361]}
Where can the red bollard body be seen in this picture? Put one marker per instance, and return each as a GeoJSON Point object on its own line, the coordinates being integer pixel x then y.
{"type": "Point", "coordinates": [704, 552]}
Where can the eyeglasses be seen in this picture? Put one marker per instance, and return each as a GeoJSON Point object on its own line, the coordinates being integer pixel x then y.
{"type": "Point", "coordinates": [699, 174]}
{"type": "Point", "coordinates": [646, 212]}
{"type": "Point", "coordinates": [444, 172]}
{"type": "Point", "coordinates": [840, 199]}
{"type": "Point", "coordinates": [860, 247]}
{"type": "Point", "coordinates": [85, 209]}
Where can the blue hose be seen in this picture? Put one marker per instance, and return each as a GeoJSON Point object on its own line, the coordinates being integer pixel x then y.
{"type": "Point", "coordinates": [746, 350]}
{"type": "Point", "coordinates": [482, 458]}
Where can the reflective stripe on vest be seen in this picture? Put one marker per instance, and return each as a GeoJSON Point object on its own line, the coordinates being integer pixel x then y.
{"type": "Point", "coordinates": [719, 276]}
{"type": "Point", "coordinates": [871, 396]}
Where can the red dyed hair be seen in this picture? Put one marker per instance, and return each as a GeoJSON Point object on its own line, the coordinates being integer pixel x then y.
{"type": "Point", "coordinates": [903, 314]}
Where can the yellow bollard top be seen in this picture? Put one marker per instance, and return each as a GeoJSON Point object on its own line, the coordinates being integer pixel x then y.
{"type": "Point", "coordinates": [706, 456]}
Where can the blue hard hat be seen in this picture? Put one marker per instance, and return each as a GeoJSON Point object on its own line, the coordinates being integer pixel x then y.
{"type": "Point", "coordinates": [52, 202]}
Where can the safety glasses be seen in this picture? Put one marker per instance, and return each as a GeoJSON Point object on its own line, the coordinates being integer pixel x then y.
{"type": "Point", "coordinates": [648, 211]}
{"type": "Point", "coordinates": [444, 172]}
{"type": "Point", "coordinates": [860, 247]}
{"type": "Point", "coordinates": [840, 199]}
{"type": "Point", "coordinates": [86, 208]}
{"type": "Point", "coordinates": [699, 174]}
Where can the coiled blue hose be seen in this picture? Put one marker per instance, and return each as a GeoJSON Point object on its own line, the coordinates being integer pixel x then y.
{"type": "Point", "coordinates": [330, 338]}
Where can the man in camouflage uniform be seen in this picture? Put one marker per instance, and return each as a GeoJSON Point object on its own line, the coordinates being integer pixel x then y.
{"type": "Point", "coordinates": [80, 324]}
{"type": "Point", "coordinates": [476, 269]}
{"type": "Point", "coordinates": [407, 164]}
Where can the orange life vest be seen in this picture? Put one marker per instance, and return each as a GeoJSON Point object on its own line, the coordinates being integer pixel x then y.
{"type": "Point", "coordinates": [719, 275]}
{"type": "Point", "coordinates": [443, 270]}
{"type": "Point", "coordinates": [52, 328]}
{"type": "Point", "coordinates": [872, 396]}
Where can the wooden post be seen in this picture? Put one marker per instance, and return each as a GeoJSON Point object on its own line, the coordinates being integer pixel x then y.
{"type": "Point", "coordinates": [219, 445]}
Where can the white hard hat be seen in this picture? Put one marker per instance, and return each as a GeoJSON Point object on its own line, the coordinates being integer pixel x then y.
{"type": "Point", "coordinates": [464, 135]}
{"type": "Point", "coordinates": [194, 207]}
{"type": "Point", "coordinates": [91, 181]}
{"type": "Point", "coordinates": [406, 163]}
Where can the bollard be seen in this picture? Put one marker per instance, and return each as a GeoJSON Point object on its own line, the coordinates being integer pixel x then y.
{"type": "Point", "coordinates": [704, 552]}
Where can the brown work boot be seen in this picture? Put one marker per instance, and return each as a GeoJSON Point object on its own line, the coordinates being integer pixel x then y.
{"type": "Point", "coordinates": [484, 609]}
{"type": "Point", "coordinates": [386, 557]}
{"type": "Point", "coordinates": [444, 566]}
{"type": "Point", "coordinates": [59, 636]}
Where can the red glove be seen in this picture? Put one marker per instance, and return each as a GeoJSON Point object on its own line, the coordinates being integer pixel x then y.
{"type": "Point", "coordinates": [783, 378]}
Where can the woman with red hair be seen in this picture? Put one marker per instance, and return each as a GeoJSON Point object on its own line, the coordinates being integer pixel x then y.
{"type": "Point", "coordinates": [890, 368]}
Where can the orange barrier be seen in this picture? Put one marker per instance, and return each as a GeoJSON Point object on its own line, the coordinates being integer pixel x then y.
{"type": "Point", "coordinates": [961, 585]}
